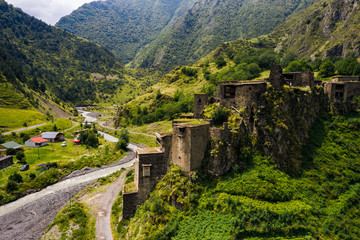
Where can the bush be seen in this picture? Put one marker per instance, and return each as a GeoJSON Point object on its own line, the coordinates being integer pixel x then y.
{"type": "Point", "coordinates": [124, 139]}
{"type": "Point", "coordinates": [11, 186]}
{"type": "Point", "coordinates": [16, 177]}
{"type": "Point", "coordinates": [11, 151]}
{"type": "Point", "coordinates": [220, 62]}
{"type": "Point", "coordinates": [299, 66]}
{"type": "Point", "coordinates": [21, 157]}
{"type": "Point", "coordinates": [219, 116]}
{"type": "Point", "coordinates": [188, 71]}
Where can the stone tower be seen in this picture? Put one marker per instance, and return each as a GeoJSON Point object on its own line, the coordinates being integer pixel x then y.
{"type": "Point", "coordinates": [276, 77]}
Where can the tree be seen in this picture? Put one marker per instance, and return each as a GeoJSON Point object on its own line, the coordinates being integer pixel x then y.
{"type": "Point", "coordinates": [92, 140]}
{"type": "Point", "coordinates": [21, 157]}
{"type": "Point", "coordinates": [299, 66]}
{"type": "Point", "coordinates": [327, 68]}
{"type": "Point", "coordinates": [346, 66]}
{"type": "Point", "coordinates": [2, 138]}
{"type": "Point", "coordinates": [124, 139]}
{"type": "Point", "coordinates": [16, 177]}
{"type": "Point", "coordinates": [220, 62]}
{"type": "Point", "coordinates": [288, 58]}
{"type": "Point", "coordinates": [266, 59]}
{"type": "Point", "coordinates": [11, 151]}
{"type": "Point", "coordinates": [11, 186]}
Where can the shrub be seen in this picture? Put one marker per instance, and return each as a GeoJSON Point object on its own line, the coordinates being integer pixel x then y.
{"type": "Point", "coordinates": [124, 139]}
{"type": "Point", "coordinates": [21, 157]}
{"type": "Point", "coordinates": [11, 186]}
{"type": "Point", "coordinates": [220, 62]}
{"type": "Point", "coordinates": [219, 116]}
{"type": "Point", "coordinates": [327, 68]}
{"type": "Point", "coordinates": [16, 177]}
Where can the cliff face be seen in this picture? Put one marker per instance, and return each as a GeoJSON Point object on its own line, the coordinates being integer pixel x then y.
{"type": "Point", "coordinates": [281, 121]}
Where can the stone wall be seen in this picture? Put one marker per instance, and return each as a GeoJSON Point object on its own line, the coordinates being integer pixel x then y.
{"type": "Point", "coordinates": [189, 145]}
{"type": "Point", "coordinates": [240, 94]}
{"type": "Point", "coordinates": [130, 203]}
{"type": "Point", "coordinates": [276, 77]}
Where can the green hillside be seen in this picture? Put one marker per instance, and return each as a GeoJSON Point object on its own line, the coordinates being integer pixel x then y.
{"type": "Point", "coordinates": [123, 26]}
{"type": "Point", "coordinates": [53, 62]}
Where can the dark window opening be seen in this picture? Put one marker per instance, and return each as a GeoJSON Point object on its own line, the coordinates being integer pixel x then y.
{"type": "Point", "coordinates": [229, 92]}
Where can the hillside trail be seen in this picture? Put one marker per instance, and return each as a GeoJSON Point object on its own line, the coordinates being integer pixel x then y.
{"type": "Point", "coordinates": [26, 128]}
{"type": "Point", "coordinates": [104, 204]}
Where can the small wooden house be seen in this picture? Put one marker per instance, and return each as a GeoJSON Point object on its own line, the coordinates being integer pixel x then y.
{"type": "Point", "coordinates": [11, 144]}
{"type": "Point", "coordinates": [36, 142]}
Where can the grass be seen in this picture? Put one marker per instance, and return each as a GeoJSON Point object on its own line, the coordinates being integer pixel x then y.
{"type": "Point", "coordinates": [10, 98]}
{"type": "Point", "coordinates": [12, 119]}
{"type": "Point", "coordinates": [50, 153]}
{"type": "Point", "coordinates": [152, 128]}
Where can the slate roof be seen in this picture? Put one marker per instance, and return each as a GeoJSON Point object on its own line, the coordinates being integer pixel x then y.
{"type": "Point", "coordinates": [38, 139]}
{"type": "Point", "coordinates": [12, 144]}
{"type": "Point", "coordinates": [49, 135]}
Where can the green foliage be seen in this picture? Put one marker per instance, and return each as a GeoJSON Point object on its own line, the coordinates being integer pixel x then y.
{"type": "Point", "coordinates": [73, 217]}
{"type": "Point", "coordinates": [21, 157]}
{"type": "Point", "coordinates": [89, 138]}
{"type": "Point", "coordinates": [220, 62]}
{"type": "Point", "coordinates": [327, 68]}
{"type": "Point", "coordinates": [206, 225]}
{"type": "Point", "coordinates": [16, 177]}
{"type": "Point", "coordinates": [11, 186]}
{"type": "Point", "coordinates": [219, 116]}
{"type": "Point", "coordinates": [299, 66]}
{"type": "Point", "coordinates": [347, 66]}
{"type": "Point", "coordinates": [190, 72]}
{"type": "Point", "coordinates": [11, 151]}
{"type": "Point", "coordinates": [123, 140]}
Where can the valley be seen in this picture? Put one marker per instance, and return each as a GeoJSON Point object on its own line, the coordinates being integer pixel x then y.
{"type": "Point", "coordinates": [181, 119]}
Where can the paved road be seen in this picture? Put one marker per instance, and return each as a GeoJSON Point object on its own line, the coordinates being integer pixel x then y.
{"type": "Point", "coordinates": [23, 129]}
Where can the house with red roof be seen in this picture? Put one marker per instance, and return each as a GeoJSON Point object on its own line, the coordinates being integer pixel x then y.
{"type": "Point", "coordinates": [36, 142]}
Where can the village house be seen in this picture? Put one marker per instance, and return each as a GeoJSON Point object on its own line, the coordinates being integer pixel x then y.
{"type": "Point", "coordinates": [53, 136]}
{"type": "Point", "coordinates": [36, 142]}
{"type": "Point", "coordinates": [5, 146]}
{"type": "Point", "coordinates": [6, 162]}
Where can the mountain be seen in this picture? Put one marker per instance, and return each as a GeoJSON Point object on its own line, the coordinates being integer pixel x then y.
{"type": "Point", "coordinates": [123, 26]}
{"type": "Point", "coordinates": [325, 29]}
{"type": "Point", "coordinates": [210, 22]}
{"type": "Point", "coordinates": [58, 64]}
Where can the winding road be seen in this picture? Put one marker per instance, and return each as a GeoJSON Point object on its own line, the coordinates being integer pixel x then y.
{"type": "Point", "coordinates": [29, 216]}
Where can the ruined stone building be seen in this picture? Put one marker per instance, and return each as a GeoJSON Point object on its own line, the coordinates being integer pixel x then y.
{"type": "Point", "coordinates": [341, 89]}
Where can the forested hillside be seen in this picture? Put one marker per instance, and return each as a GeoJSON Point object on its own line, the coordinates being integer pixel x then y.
{"type": "Point", "coordinates": [123, 26]}
{"type": "Point", "coordinates": [52, 61]}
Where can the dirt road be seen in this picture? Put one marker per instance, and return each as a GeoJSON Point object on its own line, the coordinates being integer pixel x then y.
{"type": "Point", "coordinates": [103, 221]}
{"type": "Point", "coordinates": [23, 129]}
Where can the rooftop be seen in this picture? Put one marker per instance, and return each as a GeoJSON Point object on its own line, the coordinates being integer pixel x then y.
{"type": "Point", "coordinates": [38, 139]}
{"type": "Point", "coordinates": [12, 144]}
{"type": "Point", "coordinates": [49, 134]}
{"type": "Point", "coordinates": [149, 150]}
